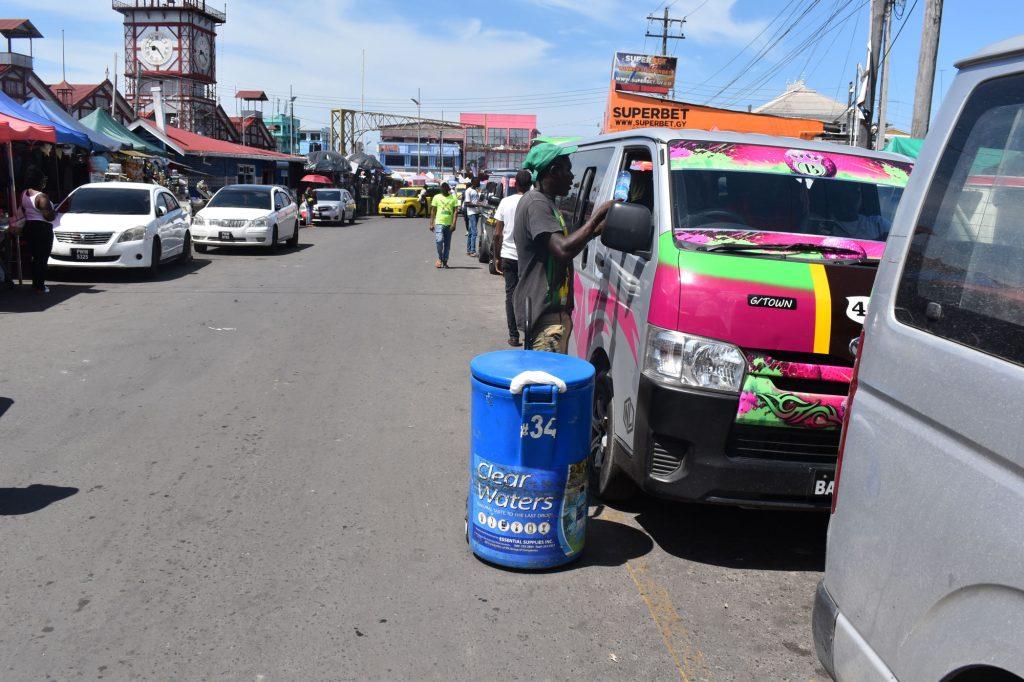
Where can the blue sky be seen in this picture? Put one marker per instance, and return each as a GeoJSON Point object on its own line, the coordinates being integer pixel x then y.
{"type": "Point", "coordinates": [549, 57]}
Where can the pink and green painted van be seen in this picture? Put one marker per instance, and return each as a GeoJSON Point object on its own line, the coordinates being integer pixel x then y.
{"type": "Point", "coordinates": [722, 308]}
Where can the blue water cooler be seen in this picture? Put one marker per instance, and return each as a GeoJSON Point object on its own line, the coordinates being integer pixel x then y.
{"type": "Point", "coordinates": [530, 437]}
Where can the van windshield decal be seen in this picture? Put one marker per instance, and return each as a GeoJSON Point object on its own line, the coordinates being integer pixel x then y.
{"type": "Point", "coordinates": [702, 155]}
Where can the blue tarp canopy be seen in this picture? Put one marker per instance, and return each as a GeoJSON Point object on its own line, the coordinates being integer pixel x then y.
{"type": "Point", "coordinates": [58, 117]}
{"type": "Point", "coordinates": [65, 135]}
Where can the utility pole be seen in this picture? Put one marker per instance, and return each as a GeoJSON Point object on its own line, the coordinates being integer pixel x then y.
{"type": "Point", "coordinates": [362, 93]}
{"type": "Point", "coordinates": [666, 22]}
{"type": "Point", "coordinates": [883, 96]}
{"type": "Point", "coordinates": [851, 117]}
{"type": "Point", "coordinates": [874, 51]}
{"type": "Point", "coordinates": [419, 130]}
{"type": "Point", "coordinates": [926, 68]}
{"type": "Point", "coordinates": [113, 95]}
{"type": "Point", "coordinates": [291, 121]}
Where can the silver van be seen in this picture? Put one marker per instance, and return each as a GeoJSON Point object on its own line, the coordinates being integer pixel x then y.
{"type": "Point", "coordinates": [924, 576]}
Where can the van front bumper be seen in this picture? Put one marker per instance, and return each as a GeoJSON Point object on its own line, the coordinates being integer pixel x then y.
{"type": "Point", "coordinates": [684, 448]}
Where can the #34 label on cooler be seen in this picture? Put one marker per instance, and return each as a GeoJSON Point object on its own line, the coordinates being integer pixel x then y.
{"type": "Point", "coordinates": [520, 510]}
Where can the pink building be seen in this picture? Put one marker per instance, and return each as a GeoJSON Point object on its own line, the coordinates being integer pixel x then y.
{"type": "Point", "coordinates": [501, 141]}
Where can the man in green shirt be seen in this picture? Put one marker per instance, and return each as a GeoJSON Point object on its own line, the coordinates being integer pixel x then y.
{"type": "Point", "coordinates": [443, 210]}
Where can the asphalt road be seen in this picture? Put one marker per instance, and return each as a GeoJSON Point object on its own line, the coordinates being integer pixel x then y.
{"type": "Point", "coordinates": [254, 468]}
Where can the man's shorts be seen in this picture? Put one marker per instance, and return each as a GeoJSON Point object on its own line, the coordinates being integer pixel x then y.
{"type": "Point", "coordinates": [551, 333]}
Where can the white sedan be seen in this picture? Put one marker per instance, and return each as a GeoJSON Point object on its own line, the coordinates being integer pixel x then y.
{"type": "Point", "coordinates": [241, 215]}
{"type": "Point", "coordinates": [120, 225]}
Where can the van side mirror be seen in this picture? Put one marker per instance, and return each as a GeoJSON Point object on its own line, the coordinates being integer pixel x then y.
{"type": "Point", "coordinates": [628, 228]}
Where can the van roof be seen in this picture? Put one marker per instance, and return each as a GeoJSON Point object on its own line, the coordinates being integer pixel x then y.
{"type": "Point", "coordinates": [1010, 47]}
{"type": "Point", "coordinates": [669, 134]}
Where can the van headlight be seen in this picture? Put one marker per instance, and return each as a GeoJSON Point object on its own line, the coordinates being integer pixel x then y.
{"type": "Point", "coordinates": [258, 222]}
{"type": "Point", "coordinates": [133, 234]}
{"type": "Point", "coordinates": [684, 360]}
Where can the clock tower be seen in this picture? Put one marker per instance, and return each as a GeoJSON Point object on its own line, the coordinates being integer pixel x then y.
{"type": "Point", "coordinates": [171, 44]}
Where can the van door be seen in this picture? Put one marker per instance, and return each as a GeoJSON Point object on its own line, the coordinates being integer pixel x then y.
{"type": "Point", "coordinates": [589, 169]}
{"type": "Point", "coordinates": [624, 284]}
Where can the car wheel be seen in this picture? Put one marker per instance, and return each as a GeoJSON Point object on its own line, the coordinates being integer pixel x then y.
{"type": "Point", "coordinates": [410, 212]}
{"type": "Point", "coordinates": [293, 241]}
{"type": "Point", "coordinates": [201, 248]}
{"type": "Point", "coordinates": [186, 249]}
{"type": "Point", "coordinates": [154, 259]}
{"type": "Point", "coordinates": [607, 480]}
{"type": "Point", "coordinates": [483, 250]}
{"type": "Point", "coordinates": [273, 239]}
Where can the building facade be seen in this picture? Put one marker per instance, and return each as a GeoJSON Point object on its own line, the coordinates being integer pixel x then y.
{"type": "Point", "coordinates": [81, 99]}
{"type": "Point", "coordinates": [496, 141]}
{"type": "Point", "coordinates": [17, 78]}
{"type": "Point", "coordinates": [313, 140]}
{"type": "Point", "coordinates": [285, 130]}
{"type": "Point", "coordinates": [412, 147]}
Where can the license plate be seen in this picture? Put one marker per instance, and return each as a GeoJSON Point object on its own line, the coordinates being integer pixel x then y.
{"type": "Point", "coordinates": [824, 483]}
{"type": "Point", "coordinates": [226, 236]}
{"type": "Point", "coordinates": [81, 254]}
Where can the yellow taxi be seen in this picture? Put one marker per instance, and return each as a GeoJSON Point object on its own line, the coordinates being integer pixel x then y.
{"type": "Point", "coordinates": [405, 202]}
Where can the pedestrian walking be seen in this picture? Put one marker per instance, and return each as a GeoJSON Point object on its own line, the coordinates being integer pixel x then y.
{"type": "Point", "coordinates": [506, 260]}
{"type": "Point", "coordinates": [443, 210]}
{"type": "Point", "coordinates": [471, 200]}
{"type": "Point", "coordinates": [310, 199]}
{"type": "Point", "coordinates": [543, 297]}
{"type": "Point", "coordinates": [38, 231]}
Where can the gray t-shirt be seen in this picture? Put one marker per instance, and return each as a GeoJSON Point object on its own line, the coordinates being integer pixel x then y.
{"type": "Point", "coordinates": [543, 281]}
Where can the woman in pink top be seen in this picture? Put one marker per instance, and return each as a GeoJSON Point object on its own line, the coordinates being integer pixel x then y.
{"type": "Point", "coordinates": [39, 215]}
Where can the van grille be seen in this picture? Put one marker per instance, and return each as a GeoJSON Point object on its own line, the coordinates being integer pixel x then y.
{"type": "Point", "coordinates": [83, 237]}
{"type": "Point", "coordinates": [666, 456]}
{"type": "Point", "coordinates": [784, 444]}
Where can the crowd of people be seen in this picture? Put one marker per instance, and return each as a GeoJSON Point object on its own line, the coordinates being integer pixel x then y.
{"type": "Point", "coordinates": [533, 248]}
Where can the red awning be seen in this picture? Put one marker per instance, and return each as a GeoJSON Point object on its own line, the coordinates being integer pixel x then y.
{"type": "Point", "coordinates": [317, 180]}
{"type": "Point", "coordinates": [14, 130]}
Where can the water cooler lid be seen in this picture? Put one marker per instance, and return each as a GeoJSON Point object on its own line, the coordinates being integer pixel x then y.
{"type": "Point", "coordinates": [498, 368]}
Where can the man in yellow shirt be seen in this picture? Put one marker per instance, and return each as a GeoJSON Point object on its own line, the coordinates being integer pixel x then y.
{"type": "Point", "coordinates": [443, 209]}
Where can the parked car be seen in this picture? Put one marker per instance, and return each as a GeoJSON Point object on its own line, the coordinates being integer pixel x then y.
{"type": "Point", "coordinates": [923, 576]}
{"type": "Point", "coordinates": [719, 305]}
{"type": "Point", "coordinates": [404, 202]}
{"type": "Point", "coordinates": [334, 205]}
{"type": "Point", "coordinates": [240, 215]}
{"type": "Point", "coordinates": [120, 225]}
{"type": "Point", "coordinates": [499, 184]}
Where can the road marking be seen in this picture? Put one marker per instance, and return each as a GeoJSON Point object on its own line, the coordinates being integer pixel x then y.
{"type": "Point", "coordinates": [687, 659]}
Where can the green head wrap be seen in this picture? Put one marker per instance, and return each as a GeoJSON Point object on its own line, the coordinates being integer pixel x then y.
{"type": "Point", "coordinates": [541, 155]}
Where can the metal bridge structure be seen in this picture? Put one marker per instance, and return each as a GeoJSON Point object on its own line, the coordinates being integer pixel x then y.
{"type": "Point", "coordinates": [349, 125]}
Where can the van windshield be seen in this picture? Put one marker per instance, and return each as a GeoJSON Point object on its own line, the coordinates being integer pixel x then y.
{"type": "Point", "coordinates": [773, 189]}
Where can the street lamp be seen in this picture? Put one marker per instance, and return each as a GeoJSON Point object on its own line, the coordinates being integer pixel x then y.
{"type": "Point", "coordinates": [419, 127]}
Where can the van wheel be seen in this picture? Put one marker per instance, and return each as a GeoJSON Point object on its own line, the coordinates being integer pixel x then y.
{"type": "Point", "coordinates": [607, 480]}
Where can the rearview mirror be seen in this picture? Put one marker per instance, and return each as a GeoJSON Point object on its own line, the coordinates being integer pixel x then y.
{"type": "Point", "coordinates": [628, 228]}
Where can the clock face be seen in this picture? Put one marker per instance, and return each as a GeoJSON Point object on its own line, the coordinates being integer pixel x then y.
{"type": "Point", "coordinates": [202, 54]}
{"type": "Point", "coordinates": [156, 49]}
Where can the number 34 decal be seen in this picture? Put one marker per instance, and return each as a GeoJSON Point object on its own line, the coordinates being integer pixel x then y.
{"type": "Point", "coordinates": [857, 308]}
{"type": "Point", "coordinates": [537, 428]}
